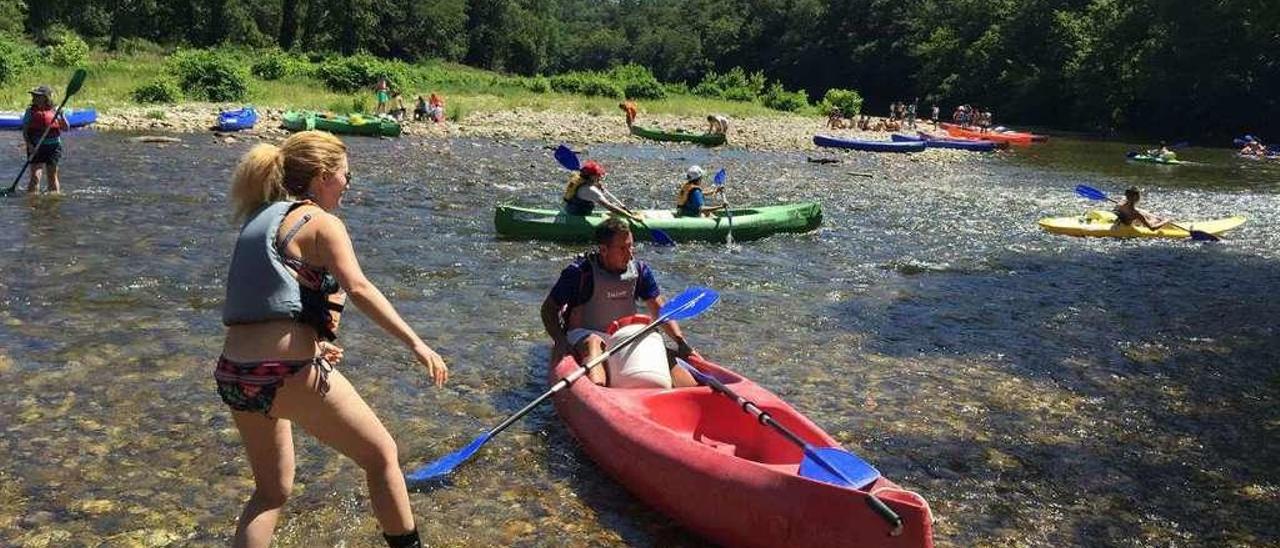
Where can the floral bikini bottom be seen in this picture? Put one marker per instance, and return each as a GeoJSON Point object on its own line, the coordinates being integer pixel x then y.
{"type": "Point", "coordinates": [251, 386]}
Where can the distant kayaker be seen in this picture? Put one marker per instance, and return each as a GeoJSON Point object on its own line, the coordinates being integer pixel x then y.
{"type": "Point", "coordinates": [629, 107]}
{"type": "Point", "coordinates": [292, 262]}
{"type": "Point", "coordinates": [600, 287]}
{"type": "Point", "coordinates": [717, 123]}
{"type": "Point", "coordinates": [1127, 212]}
{"type": "Point", "coordinates": [39, 120]}
{"type": "Point", "coordinates": [381, 94]}
{"type": "Point", "coordinates": [586, 189]}
{"type": "Point", "coordinates": [1163, 153]}
{"type": "Point", "coordinates": [691, 200]}
{"type": "Point", "coordinates": [1253, 147]}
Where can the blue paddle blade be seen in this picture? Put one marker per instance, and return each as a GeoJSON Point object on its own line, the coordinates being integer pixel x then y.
{"type": "Point", "coordinates": [661, 238]}
{"type": "Point", "coordinates": [689, 303]}
{"type": "Point", "coordinates": [444, 465]}
{"type": "Point", "coordinates": [837, 467]}
{"type": "Point", "coordinates": [1090, 192]}
{"type": "Point", "coordinates": [567, 158]}
{"type": "Point", "coordinates": [720, 176]}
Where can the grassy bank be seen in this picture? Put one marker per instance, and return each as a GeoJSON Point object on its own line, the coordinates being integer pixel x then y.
{"type": "Point", "coordinates": [113, 78]}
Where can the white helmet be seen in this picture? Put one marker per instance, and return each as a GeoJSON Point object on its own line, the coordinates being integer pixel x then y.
{"type": "Point", "coordinates": [693, 173]}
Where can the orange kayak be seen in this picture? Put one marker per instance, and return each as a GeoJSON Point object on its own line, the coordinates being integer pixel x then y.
{"type": "Point", "coordinates": [694, 455]}
{"type": "Point", "coordinates": [1012, 137]}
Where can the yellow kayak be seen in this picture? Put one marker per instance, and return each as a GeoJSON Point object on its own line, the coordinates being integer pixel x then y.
{"type": "Point", "coordinates": [1103, 223]}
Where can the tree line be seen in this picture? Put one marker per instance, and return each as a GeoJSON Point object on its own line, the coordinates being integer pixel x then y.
{"type": "Point", "coordinates": [1174, 68]}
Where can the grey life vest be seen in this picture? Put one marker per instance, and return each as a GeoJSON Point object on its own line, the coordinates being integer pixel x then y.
{"type": "Point", "coordinates": [259, 286]}
{"type": "Point", "coordinates": [613, 295]}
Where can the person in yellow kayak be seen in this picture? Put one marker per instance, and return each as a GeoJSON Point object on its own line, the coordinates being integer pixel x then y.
{"type": "Point", "coordinates": [1127, 212]}
{"type": "Point", "coordinates": [586, 189]}
{"type": "Point", "coordinates": [600, 287]}
{"type": "Point", "coordinates": [691, 201]}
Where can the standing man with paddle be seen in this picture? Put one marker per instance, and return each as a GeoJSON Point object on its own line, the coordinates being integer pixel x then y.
{"type": "Point", "coordinates": [598, 288]}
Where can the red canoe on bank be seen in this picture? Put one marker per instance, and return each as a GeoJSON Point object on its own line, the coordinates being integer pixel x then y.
{"type": "Point", "coordinates": [1013, 137]}
{"type": "Point", "coordinates": [694, 455]}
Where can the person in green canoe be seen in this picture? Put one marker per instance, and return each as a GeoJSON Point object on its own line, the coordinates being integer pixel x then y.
{"type": "Point", "coordinates": [1127, 212]}
{"type": "Point", "coordinates": [691, 201]}
{"type": "Point", "coordinates": [1163, 153]}
{"type": "Point", "coordinates": [600, 287]}
{"type": "Point", "coordinates": [586, 189]}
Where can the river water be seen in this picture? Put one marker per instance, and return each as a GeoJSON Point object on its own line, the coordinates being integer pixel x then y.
{"type": "Point", "coordinates": [1038, 390]}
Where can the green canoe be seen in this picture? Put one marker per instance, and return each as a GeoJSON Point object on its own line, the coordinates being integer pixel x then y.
{"type": "Point", "coordinates": [706, 139]}
{"type": "Point", "coordinates": [298, 120]}
{"type": "Point", "coordinates": [358, 124]}
{"type": "Point", "coordinates": [749, 223]}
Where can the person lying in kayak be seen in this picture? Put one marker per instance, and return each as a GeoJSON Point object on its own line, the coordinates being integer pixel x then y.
{"type": "Point", "coordinates": [600, 287]}
{"type": "Point", "coordinates": [586, 189]}
{"type": "Point", "coordinates": [691, 201]}
{"type": "Point", "coordinates": [1128, 213]}
{"type": "Point", "coordinates": [1254, 148]}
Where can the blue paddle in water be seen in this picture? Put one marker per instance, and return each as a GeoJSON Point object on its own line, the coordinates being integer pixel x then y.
{"type": "Point", "coordinates": [569, 160]}
{"type": "Point", "coordinates": [719, 182]}
{"type": "Point", "coordinates": [1095, 194]}
{"type": "Point", "coordinates": [688, 304]}
{"type": "Point", "coordinates": [826, 464]}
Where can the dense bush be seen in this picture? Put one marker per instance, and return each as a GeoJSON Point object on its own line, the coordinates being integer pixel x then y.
{"type": "Point", "coordinates": [735, 85]}
{"type": "Point", "coordinates": [15, 57]}
{"type": "Point", "coordinates": [272, 65]}
{"type": "Point", "coordinates": [359, 72]}
{"type": "Point", "coordinates": [849, 102]}
{"type": "Point", "coordinates": [777, 97]}
{"type": "Point", "coordinates": [587, 83]}
{"type": "Point", "coordinates": [210, 75]}
{"type": "Point", "coordinates": [162, 90]}
{"type": "Point", "coordinates": [637, 82]}
{"type": "Point", "coordinates": [537, 84]}
{"type": "Point", "coordinates": [68, 50]}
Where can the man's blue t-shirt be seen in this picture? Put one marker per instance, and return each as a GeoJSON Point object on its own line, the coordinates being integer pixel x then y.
{"type": "Point", "coordinates": [576, 284]}
{"type": "Point", "coordinates": [693, 205]}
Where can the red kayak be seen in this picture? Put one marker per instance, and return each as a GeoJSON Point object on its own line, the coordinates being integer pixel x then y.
{"type": "Point", "coordinates": [1012, 137]}
{"type": "Point", "coordinates": [694, 455]}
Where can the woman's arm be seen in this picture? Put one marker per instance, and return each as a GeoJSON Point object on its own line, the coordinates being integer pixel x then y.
{"type": "Point", "coordinates": [338, 255]}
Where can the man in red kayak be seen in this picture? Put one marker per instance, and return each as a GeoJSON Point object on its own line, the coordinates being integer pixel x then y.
{"type": "Point", "coordinates": [600, 287]}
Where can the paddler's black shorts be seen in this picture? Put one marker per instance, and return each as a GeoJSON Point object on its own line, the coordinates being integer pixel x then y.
{"type": "Point", "coordinates": [48, 153]}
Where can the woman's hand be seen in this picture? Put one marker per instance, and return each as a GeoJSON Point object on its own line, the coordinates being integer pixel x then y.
{"type": "Point", "coordinates": [433, 362]}
{"type": "Point", "coordinates": [330, 352]}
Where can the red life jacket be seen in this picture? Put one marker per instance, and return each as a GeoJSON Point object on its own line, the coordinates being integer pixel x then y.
{"type": "Point", "coordinates": [38, 120]}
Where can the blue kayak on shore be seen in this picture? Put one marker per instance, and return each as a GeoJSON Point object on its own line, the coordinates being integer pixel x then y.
{"type": "Point", "coordinates": [75, 118]}
{"type": "Point", "coordinates": [870, 146]}
{"type": "Point", "coordinates": [236, 120]}
{"type": "Point", "coordinates": [974, 146]}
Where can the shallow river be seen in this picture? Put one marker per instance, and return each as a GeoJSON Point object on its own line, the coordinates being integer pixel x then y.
{"type": "Point", "coordinates": [1038, 390]}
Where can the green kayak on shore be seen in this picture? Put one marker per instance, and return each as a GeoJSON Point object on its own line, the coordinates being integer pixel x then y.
{"type": "Point", "coordinates": [295, 120]}
{"type": "Point", "coordinates": [705, 139]}
{"type": "Point", "coordinates": [355, 124]}
{"type": "Point", "coordinates": [749, 223]}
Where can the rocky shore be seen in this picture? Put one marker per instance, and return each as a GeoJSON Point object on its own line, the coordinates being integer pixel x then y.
{"type": "Point", "coordinates": [775, 132]}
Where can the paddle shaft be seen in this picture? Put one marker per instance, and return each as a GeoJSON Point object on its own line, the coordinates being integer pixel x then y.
{"type": "Point", "coordinates": [36, 149]}
{"type": "Point", "coordinates": [662, 240]}
{"type": "Point", "coordinates": [763, 416]}
{"type": "Point", "coordinates": [583, 369]}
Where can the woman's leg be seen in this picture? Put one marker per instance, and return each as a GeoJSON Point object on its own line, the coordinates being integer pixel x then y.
{"type": "Point", "coordinates": [54, 184]}
{"type": "Point", "coordinates": [268, 443]}
{"type": "Point", "coordinates": [343, 421]}
{"type": "Point", "coordinates": [33, 184]}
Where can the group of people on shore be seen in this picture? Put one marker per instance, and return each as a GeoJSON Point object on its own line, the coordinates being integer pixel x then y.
{"type": "Point", "coordinates": [972, 117]}
{"type": "Point", "coordinates": [390, 103]}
